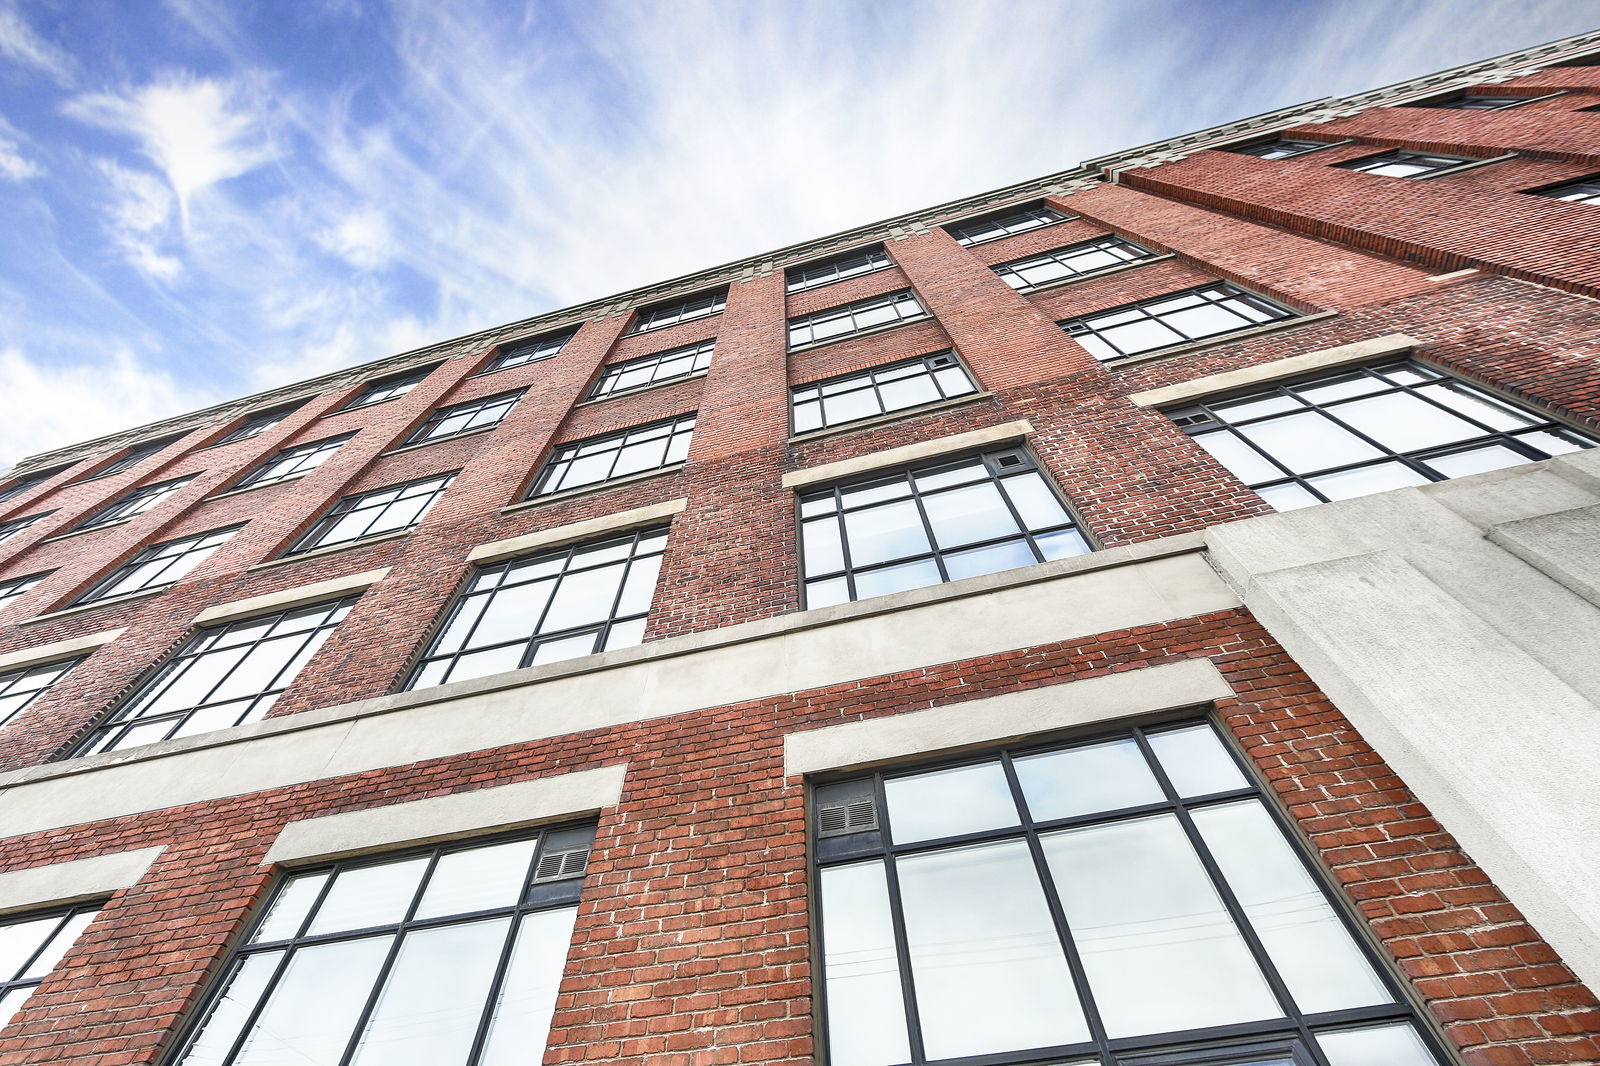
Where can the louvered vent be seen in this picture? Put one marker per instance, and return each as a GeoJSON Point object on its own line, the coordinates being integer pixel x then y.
{"type": "Point", "coordinates": [1194, 416]}
{"type": "Point", "coordinates": [561, 865]}
{"type": "Point", "coordinates": [940, 361]}
{"type": "Point", "coordinates": [856, 816]}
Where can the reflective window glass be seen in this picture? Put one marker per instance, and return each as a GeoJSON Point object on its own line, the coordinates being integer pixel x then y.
{"type": "Point", "coordinates": [30, 947]}
{"type": "Point", "coordinates": [599, 459]}
{"type": "Point", "coordinates": [1150, 325]}
{"type": "Point", "coordinates": [870, 313]}
{"type": "Point", "coordinates": [1074, 260]}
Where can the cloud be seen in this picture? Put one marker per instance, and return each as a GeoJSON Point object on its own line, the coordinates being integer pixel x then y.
{"type": "Point", "coordinates": [14, 166]}
{"type": "Point", "coordinates": [363, 239]}
{"type": "Point", "coordinates": [20, 44]}
{"type": "Point", "coordinates": [139, 211]}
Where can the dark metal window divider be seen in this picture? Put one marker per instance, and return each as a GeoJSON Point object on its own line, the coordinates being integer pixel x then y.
{"type": "Point", "coordinates": [439, 415]}
{"type": "Point", "coordinates": [871, 374]}
{"type": "Point", "coordinates": [1078, 275]}
{"type": "Point", "coordinates": [1289, 314]}
{"type": "Point", "coordinates": [64, 915]}
{"type": "Point", "coordinates": [666, 355]}
{"type": "Point", "coordinates": [620, 435]}
{"type": "Point", "coordinates": [334, 515]}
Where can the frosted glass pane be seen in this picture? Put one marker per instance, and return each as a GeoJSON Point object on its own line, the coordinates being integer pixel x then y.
{"type": "Point", "coordinates": [1195, 761]}
{"type": "Point", "coordinates": [527, 1000]}
{"type": "Point", "coordinates": [1477, 461]}
{"type": "Point", "coordinates": [1365, 480]}
{"type": "Point", "coordinates": [879, 534]}
{"type": "Point", "coordinates": [1034, 501]}
{"type": "Point", "coordinates": [1096, 777]}
{"type": "Point", "coordinates": [820, 541]}
{"type": "Point", "coordinates": [947, 803]}
{"type": "Point", "coordinates": [897, 579]}
{"type": "Point", "coordinates": [477, 880]}
{"type": "Point", "coordinates": [1387, 1045]}
{"type": "Point", "coordinates": [866, 1011]}
{"type": "Point", "coordinates": [991, 559]}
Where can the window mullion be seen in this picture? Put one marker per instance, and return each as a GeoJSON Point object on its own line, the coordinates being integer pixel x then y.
{"type": "Point", "coordinates": [897, 921]}
{"type": "Point", "coordinates": [503, 964]}
{"type": "Point", "coordinates": [927, 524]}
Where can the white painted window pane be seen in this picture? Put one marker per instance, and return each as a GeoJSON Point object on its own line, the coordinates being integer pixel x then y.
{"type": "Point", "coordinates": [1085, 780]}
{"type": "Point", "coordinates": [1309, 441]}
{"type": "Point", "coordinates": [315, 1006]}
{"type": "Point", "coordinates": [878, 534]}
{"type": "Point", "coordinates": [1385, 1045]}
{"type": "Point", "coordinates": [477, 879]}
{"type": "Point", "coordinates": [369, 896]}
{"type": "Point", "coordinates": [1366, 480]}
{"type": "Point", "coordinates": [946, 803]}
{"type": "Point", "coordinates": [527, 999]}
{"type": "Point", "coordinates": [1195, 761]}
{"type": "Point", "coordinates": [866, 1011]}
{"type": "Point", "coordinates": [228, 1015]}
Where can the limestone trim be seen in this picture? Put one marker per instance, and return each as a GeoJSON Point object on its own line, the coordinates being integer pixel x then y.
{"type": "Point", "coordinates": [575, 531]}
{"type": "Point", "coordinates": [292, 597]}
{"type": "Point", "coordinates": [1276, 370]}
{"type": "Point", "coordinates": [1004, 433]}
{"type": "Point", "coordinates": [60, 649]}
{"type": "Point", "coordinates": [63, 883]}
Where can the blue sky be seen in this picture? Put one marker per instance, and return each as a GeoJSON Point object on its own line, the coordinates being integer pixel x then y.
{"type": "Point", "coordinates": [203, 198]}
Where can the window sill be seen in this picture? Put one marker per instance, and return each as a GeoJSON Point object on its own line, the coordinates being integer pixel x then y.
{"type": "Point", "coordinates": [1450, 172]}
{"type": "Point", "coordinates": [1104, 272]}
{"type": "Point", "coordinates": [258, 485]}
{"type": "Point", "coordinates": [812, 346]}
{"type": "Point", "coordinates": [84, 608]}
{"type": "Point", "coordinates": [436, 440]}
{"type": "Point", "coordinates": [91, 529]}
{"type": "Point", "coordinates": [318, 553]}
{"type": "Point", "coordinates": [589, 490]}
{"type": "Point", "coordinates": [893, 416]}
{"type": "Point", "coordinates": [1217, 342]}
{"type": "Point", "coordinates": [642, 388]}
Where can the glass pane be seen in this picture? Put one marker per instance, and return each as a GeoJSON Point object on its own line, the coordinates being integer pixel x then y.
{"type": "Point", "coordinates": [1476, 405]}
{"type": "Point", "coordinates": [640, 587]}
{"type": "Point", "coordinates": [12, 1002]}
{"type": "Point", "coordinates": [433, 999]}
{"type": "Point", "coordinates": [1287, 497]}
{"type": "Point", "coordinates": [555, 651]}
{"type": "Point", "coordinates": [477, 880]}
{"type": "Point", "coordinates": [1160, 951]}
{"type": "Point", "coordinates": [583, 598]}
{"type": "Point", "coordinates": [1476, 461]}
{"type": "Point", "coordinates": [1552, 441]}
{"type": "Point", "coordinates": [59, 945]}
{"type": "Point", "coordinates": [1139, 336]}
{"type": "Point", "coordinates": [484, 663]}
{"type": "Point", "coordinates": [288, 908]}
{"type": "Point", "coordinates": [1034, 501]}
{"type": "Point", "coordinates": [1385, 1045]}
{"type": "Point", "coordinates": [1318, 959]}
{"type": "Point", "coordinates": [1256, 407]}
{"type": "Point", "coordinates": [820, 542]}
{"type": "Point", "coordinates": [1365, 480]}
{"type": "Point", "coordinates": [1007, 555]}
{"type": "Point", "coordinates": [826, 593]}
{"type": "Point", "coordinates": [948, 803]}
{"type": "Point", "coordinates": [527, 997]}
{"type": "Point", "coordinates": [1308, 442]}
{"type": "Point", "coordinates": [1404, 423]}
{"type": "Point", "coordinates": [879, 534]}
{"type": "Point", "coordinates": [625, 635]}
{"type": "Point", "coordinates": [315, 1006]}
{"type": "Point", "coordinates": [215, 1038]}
{"type": "Point", "coordinates": [1061, 544]}
{"type": "Point", "coordinates": [1242, 461]}
{"type": "Point", "coordinates": [988, 966]}
{"type": "Point", "coordinates": [19, 941]}
{"type": "Point", "coordinates": [848, 406]}
{"type": "Point", "coordinates": [866, 1011]}
{"type": "Point", "coordinates": [1342, 388]}
{"type": "Point", "coordinates": [1096, 777]}
{"type": "Point", "coordinates": [369, 896]}
{"type": "Point", "coordinates": [908, 393]}
{"type": "Point", "coordinates": [969, 514]}
{"type": "Point", "coordinates": [1196, 762]}
{"type": "Point", "coordinates": [889, 579]}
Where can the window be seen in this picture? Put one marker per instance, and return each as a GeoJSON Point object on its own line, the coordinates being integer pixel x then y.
{"type": "Point", "coordinates": [1400, 164]}
{"type": "Point", "coordinates": [372, 514]}
{"type": "Point", "coordinates": [1586, 191]}
{"type": "Point", "coordinates": [542, 608]}
{"type": "Point", "coordinates": [159, 565]}
{"type": "Point", "coordinates": [222, 676]}
{"type": "Point", "coordinates": [134, 456]}
{"type": "Point", "coordinates": [449, 957]}
{"type": "Point", "coordinates": [14, 588]}
{"type": "Point", "coordinates": [388, 388]}
{"type": "Point", "coordinates": [834, 322]}
{"type": "Point", "coordinates": [1074, 260]}
{"type": "Point", "coordinates": [1004, 223]}
{"type": "Point", "coordinates": [461, 418]}
{"type": "Point", "coordinates": [19, 688]}
{"type": "Point", "coordinates": [292, 462]}
{"type": "Point", "coordinates": [1355, 432]}
{"type": "Point", "coordinates": [827, 271]}
{"type": "Point", "coordinates": [1166, 321]}
{"type": "Point", "coordinates": [11, 527]}
{"type": "Point", "coordinates": [1124, 900]}
{"type": "Point", "coordinates": [1278, 148]}
{"type": "Point", "coordinates": [135, 503]}
{"type": "Point", "coordinates": [600, 459]}
{"type": "Point", "coordinates": [687, 309]}
{"type": "Point", "coordinates": [880, 390]}
{"type": "Point", "coordinates": [936, 522]}
{"type": "Point", "coordinates": [257, 423]}
{"type": "Point", "coordinates": [33, 944]}
{"type": "Point", "coordinates": [653, 369]}
{"type": "Point", "coordinates": [25, 483]}
{"type": "Point", "coordinates": [521, 353]}
{"type": "Point", "coordinates": [1463, 102]}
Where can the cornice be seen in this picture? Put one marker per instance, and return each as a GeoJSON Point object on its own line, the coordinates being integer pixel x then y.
{"type": "Point", "coordinates": [1085, 175]}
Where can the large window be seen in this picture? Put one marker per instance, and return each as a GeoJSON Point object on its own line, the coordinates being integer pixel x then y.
{"type": "Point", "coordinates": [546, 607]}
{"type": "Point", "coordinates": [19, 688]}
{"type": "Point", "coordinates": [133, 457]}
{"type": "Point", "coordinates": [1075, 260]}
{"type": "Point", "coordinates": [653, 369]}
{"type": "Point", "coordinates": [1402, 164]}
{"type": "Point", "coordinates": [689, 308]}
{"type": "Point", "coordinates": [14, 588]}
{"type": "Point", "coordinates": [1463, 102]}
{"type": "Point", "coordinates": [135, 503]}
{"type": "Point", "coordinates": [880, 390]}
{"type": "Point", "coordinates": [1577, 192]}
{"type": "Point", "coordinates": [461, 418]}
{"type": "Point", "coordinates": [12, 526]}
{"type": "Point", "coordinates": [292, 462]}
{"type": "Point", "coordinates": [1127, 900]}
{"type": "Point", "coordinates": [26, 482]}
{"type": "Point", "coordinates": [1354, 432]}
{"type": "Point", "coordinates": [1167, 321]}
{"type": "Point", "coordinates": [222, 676]}
{"type": "Point", "coordinates": [450, 957]}
{"type": "Point", "coordinates": [389, 388]}
{"type": "Point", "coordinates": [30, 947]}
{"type": "Point", "coordinates": [601, 459]}
{"type": "Point", "coordinates": [938, 522]}
{"type": "Point", "coordinates": [1004, 223]}
{"type": "Point", "coordinates": [1278, 148]}
{"type": "Point", "coordinates": [521, 353]}
{"type": "Point", "coordinates": [372, 514]}
{"type": "Point", "coordinates": [159, 565]}
{"type": "Point", "coordinates": [257, 423]}
{"type": "Point", "coordinates": [827, 271]}
{"type": "Point", "coordinates": [857, 317]}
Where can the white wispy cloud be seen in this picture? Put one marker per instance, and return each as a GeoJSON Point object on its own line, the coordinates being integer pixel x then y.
{"type": "Point", "coordinates": [14, 165]}
{"type": "Point", "coordinates": [23, 46]}
{"type": "Point", "coordinates": [139, 216]}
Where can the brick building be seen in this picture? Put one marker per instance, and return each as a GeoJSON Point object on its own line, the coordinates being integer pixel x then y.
{"type": "Point", "coordinates": [927, 643]}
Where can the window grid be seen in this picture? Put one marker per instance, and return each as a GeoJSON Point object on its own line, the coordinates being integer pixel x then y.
{"type": "Point", "coordinates": [1229, 783]}
{"type": "Point", "coordinates": [879, 390]}
{"type": "Point", "coordinates": [1167, 321]}
{"type": "Point", "coordinates": [24, 483]}
{"type": "Point", "coordinates": [1474, 432]}
{"type": "Point", "coordinates": [12, 526]}
{"type": "Point", "coordinates": [221, 676]}
{"type": "Point", "coordinates": [521, 353]}
{"type": "Point", "coordinates": [388, 388]}
{"type": "Point", "coordinates": [257, 423]}
{"type": "Point", "coordinates": [600, 459]}
{"type": "Point", "coordinates": [1071, 261]}
{"type": "Point", "coordinates": [1586, 191]}
{"type": "Point", "coordinates": [1004, 224]}
{"type": "Point", "coordinates": [1403, 164]}
{"type": "Point", "coordinates": [159, 565]}
{"type": "Point", "coordinates": [135, 455]}
{"type": "Point", "coordinates": [445, 422]}
{"type": "Point", "coordinates": [13, 589]}
{"type": "Point", "coordinates": [653, 369]}
{"type": "Point", "coordinates": [292, 462]}
{"type": "Point", "coordinates": [553, 605]}
{"type": "Point", "coordinates": [135, 503]}
{"type": "Point", "coordinates": [1279, 148]}
{"type": "Point", "coordinates": [929, 524]}
{"type": "Point", "coordinates": [36, 943]}
{"type": "Point", "coordinates": [847, 319]}
{"type": "Point", "coordinates": [372, 514]}
{"type": "Point", "coordinates": [685, 310]}
{"type": "Point", "coordinates": [20, 687]}
{"type": "Point", "coordinates": [1477, 103]}
{"type": "Point", "coordinates": [827, 271]}
{"type": "Point", "coordinates": [528, 882]}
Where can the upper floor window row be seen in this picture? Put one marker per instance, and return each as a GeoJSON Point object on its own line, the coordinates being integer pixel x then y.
{"type": "Point", "coordinates": [686, 309]}
{"type": "Point", "coordinates": [257, 423]}
{"type": "Point", "coordinates": [14, 588]}
{"type": "Point", "coordinates": [615, 455]}
{"type": "Point", "coordinates": [12, 526]}
{"type": "Point", "coordinates": [374, 514]}
{"type": "Point", "coordinates": [520, 353]}
{"type": "Point", "coordinates": [1278, 148]}
{"type": "Point", "coordinates": [134, 503]}
{"type": "Point", "coordinates": [1403, 164]}
{"type": "Point", "coordinates": [1464, 102]}
{"type": "Point", "coordinates": [654, 369]}
{"type": "Point", "coordinates": [838, 268]}
{"type": "Point", "coordinates": [389, 388]}
{"type": "Point", "coordinates": [25, 483]}
{"type": "Point", "coordinates": [159, 566]}
{"type": "Point", "coordinates": [1074, 260]}
{"type": "Point", "coordinates": [21, 687]}
{"type": "Point", "coordinates": [445, 422]}
{"type": "Point", "coordinates": [1586, 191]}
{"type": "Point", "coordinates": [133, 457]}
{"type": "Point", "coordinates": [293, 462]}
{"type": "Point", "coordinates": [1167, 321]}
{"type": "Point", "coordinates": [857, 317]}
{"type": "Point", "coordinates": [1004, 223]}
{"type": "Point", "coordinates": [879, 390]}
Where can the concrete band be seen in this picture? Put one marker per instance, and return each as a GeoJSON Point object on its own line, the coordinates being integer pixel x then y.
{"type": "Point", "coordinates": [1276, 370]}
{"type": "Point", "coordinates": [910, 453]}
{"type": "Point", "coordinates": [294, 597]}
{"type": "Point", "coordinates": [62, 883]}
{"type": "Point", "coordinates": [575, 531]}
{"type": "Point", "coordinates": [60, 649]}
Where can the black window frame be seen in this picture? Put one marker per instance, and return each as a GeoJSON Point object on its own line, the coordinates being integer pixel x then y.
{"type": "Point", "coordinates": [135, 455]}
{"type": "Point", "coordinates": [329, 520]}
{"type": "Point", "coordinates": [99, 591]}
{"type": "Point", "coordinates": [896, 299]}
{"type": "Point", "coordinates": [424, 434]}
{"type": "Point", "coordinates": [932, 363]}
{"type": "Point", "coordinates": [566, 454]}
{"type": "Point", "coordinates": [665, 314]}
{"type": "Point", "coordinates": [14, 588]}
{"type": "Point", "coordinates": [701, 353]}
{"type": "Point", "coordinates": [803, 277]}
{"type": "Point", "coordinates": [64, 916]}
{"type": "Point", "coordinates": [1036, 213]}
{"type": "Point", "coordinates": [1261, 148]}
{"type": "Point", "coordinates": [1230, 1044]}
{"type": "Point", "coordinates": [1459, 101]}
{"type": "Point", "coordinates": [1588, 183]}
{"type": "Point", "coordinates": [514, 353]}
{"type": "Point", "coordinates": [388, 387]}
{"type": "Point", "coordinates": [1011, 267]}
{"type": "Point", "coordinates": [255, 423]}
{"type": "Point", "coordinates": [27, 483]}
{"type": "Point", "coordinates": [1366, 163]}
{"type": "Point", "coordinates": [12, 676]}
{"type": "Point", "coordinates": [131, 505]}
{"type": "Point", "coordinates": [12, 526]}
{"type": "Point", "coordinates": [1284, 314]}
{"type": "Point", "coordinates": [257, 477]}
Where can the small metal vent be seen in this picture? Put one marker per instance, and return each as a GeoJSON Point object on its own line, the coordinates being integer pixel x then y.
{"type": "Point", "coordinates": [561, 865]}
{"type": "Point", "coordinates": [856, 816]}
{"type": "Point", "coordinates": [1191, 417]}
{"type": "Point", "coordinates": [939, 362]}
{"type": "Point", "coordinates": [1007, 461]}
